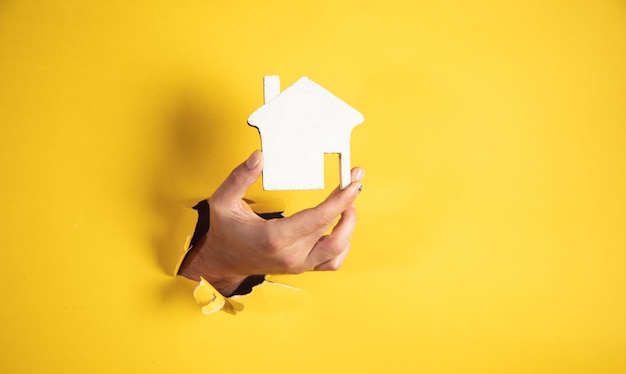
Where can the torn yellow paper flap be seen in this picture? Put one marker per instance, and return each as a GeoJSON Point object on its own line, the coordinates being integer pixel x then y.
{"type": "Point", "coordinates": [187, 247]}
{"type": "Point", "coordinates": [212, 300]}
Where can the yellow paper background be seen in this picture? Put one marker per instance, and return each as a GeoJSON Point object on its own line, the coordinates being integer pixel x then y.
{"type": "Point", "coordinates": [492, 224]}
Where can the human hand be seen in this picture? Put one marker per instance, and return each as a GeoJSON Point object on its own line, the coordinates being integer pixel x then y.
{"type": "Point", "coordinates": [239, 243]}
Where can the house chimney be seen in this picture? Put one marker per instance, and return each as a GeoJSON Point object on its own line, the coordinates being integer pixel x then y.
{"type": "Point", "coordinates": [271, 87]}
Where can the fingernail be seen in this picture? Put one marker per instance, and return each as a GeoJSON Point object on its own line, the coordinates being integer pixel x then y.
{"type": "Point", "coordinates": [358, 174]}
{"type": "Point", "coordinates": [253, 160]}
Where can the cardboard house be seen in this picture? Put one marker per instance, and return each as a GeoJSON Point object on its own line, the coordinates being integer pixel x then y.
{"type": "Point", "coordinates": [297, 127]}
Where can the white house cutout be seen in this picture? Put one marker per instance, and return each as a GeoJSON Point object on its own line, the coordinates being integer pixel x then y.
{"type": "Point", "coordinates": [297, 127]}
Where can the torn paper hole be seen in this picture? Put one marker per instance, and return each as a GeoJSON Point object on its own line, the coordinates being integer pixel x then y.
{"type": "Point", "coordinates": [212, 301]}
{"type": "Point", "coordinates": [209, 298]}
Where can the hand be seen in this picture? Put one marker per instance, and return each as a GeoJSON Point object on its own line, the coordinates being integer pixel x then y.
{"type": "Point", "coordinates": [240, 243]}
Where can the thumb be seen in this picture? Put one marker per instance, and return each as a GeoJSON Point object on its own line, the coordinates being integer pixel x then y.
{"type": "Point", "coordinates": [240, 179]}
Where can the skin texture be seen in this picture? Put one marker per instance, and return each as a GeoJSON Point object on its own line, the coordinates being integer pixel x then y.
{"type": "Point", "coordinates": [239, 243]}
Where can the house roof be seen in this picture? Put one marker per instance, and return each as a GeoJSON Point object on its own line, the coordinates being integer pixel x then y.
{"type": "Point", "coordinates": [305, 103]}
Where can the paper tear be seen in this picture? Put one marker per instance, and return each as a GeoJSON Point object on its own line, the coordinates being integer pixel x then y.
{"type": "Point", "coordinates": [212, 300]}
{"type": "Point", "coordinates": [270, 279]}
{"type": "Point", "coordinates": [209, 298]}
{"type": "Point", "coordinates": [186, 249]}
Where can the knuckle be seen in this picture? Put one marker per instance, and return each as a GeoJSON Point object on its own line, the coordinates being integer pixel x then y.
{"type": "Point", "coordinates": [301, 229]}
{"type": "Point", "coordinates": [273, 244]}
{"type": "Point", "coordinates": [322, 224]}
{"type": "Point", "coordinates": [236, 177]}
{"type": "Point", "coordinates": [336, 250]}
{"type": "Point", "coordinates": [325, 220]}
{"type": "Point", "coordinates": [273, 240]}
{"type": "Point", "coordinates": [333, 247]}
{"type": "Point", "coordinates": [334, 265]}
{"type": "Point", "coordinates": [291, 264]}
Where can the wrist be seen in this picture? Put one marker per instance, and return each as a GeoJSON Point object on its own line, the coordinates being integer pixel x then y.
{"type": "Point", "coordinates": [196, 265]}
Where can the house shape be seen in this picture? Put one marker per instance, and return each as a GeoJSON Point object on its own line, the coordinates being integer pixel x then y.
{"type": "Point", "coordinates": [297, 127]}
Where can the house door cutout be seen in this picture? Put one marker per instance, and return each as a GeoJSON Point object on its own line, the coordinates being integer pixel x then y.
{"type": "Point", "coordinates": [332, 166]}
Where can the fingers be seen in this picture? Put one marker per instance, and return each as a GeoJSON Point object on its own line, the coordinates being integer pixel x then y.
{"type": "Point", "coordinates": [334, 263]}
{"type": "Point", "coordinates": [316, 221]}
{"type": "Point", "coordinates": [357, 174]}
{"type": "Point", "coordinates": [240, 179]}
{"type": "Point", "coordinates": [330, 251]}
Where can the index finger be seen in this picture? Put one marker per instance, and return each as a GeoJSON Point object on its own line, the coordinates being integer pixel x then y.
{"type": "Point", "coordinates": [315, 221]}
{"type": "Point", "coordinates": [234, 187]}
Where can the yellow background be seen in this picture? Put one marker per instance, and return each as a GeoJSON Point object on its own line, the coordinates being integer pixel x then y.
{"type": "Point", "coordinates": [492, 224]}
